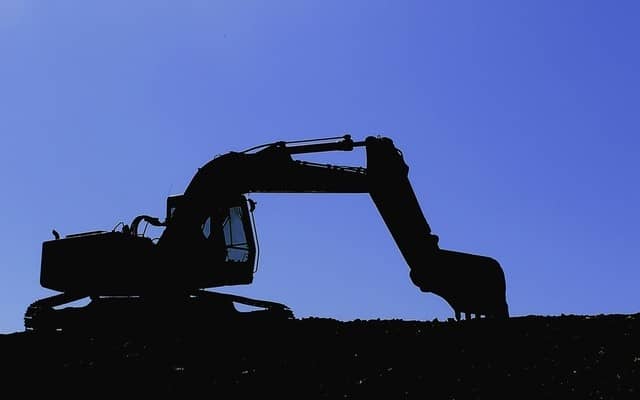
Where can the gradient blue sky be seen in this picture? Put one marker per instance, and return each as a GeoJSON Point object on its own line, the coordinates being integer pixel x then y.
{"type": "Point", "coordinates": [519, 121]}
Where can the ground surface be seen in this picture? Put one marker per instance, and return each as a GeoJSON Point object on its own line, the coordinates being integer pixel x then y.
{"type": "Point", "coordinates": [579, 357]}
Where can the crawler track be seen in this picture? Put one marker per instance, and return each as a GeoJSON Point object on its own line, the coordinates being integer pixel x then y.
{"type": "Point", "coordinates": [131, 313]}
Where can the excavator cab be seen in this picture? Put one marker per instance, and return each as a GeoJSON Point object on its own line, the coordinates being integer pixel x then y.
{"type": "Point", "coordinates": [223, 241]}
{"type": "Point", "coordinates": [226, 230]}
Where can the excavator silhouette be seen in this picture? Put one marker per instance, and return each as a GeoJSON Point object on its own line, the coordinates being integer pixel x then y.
{"type": "Point", "coordinates": [208, 240]}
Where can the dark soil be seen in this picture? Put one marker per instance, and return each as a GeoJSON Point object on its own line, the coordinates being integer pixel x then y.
{"type": "Point", "coordinates": [565, 357]}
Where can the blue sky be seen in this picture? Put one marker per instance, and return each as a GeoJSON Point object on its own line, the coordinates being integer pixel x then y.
{"type": "Point", "coordinates": [519, 122]}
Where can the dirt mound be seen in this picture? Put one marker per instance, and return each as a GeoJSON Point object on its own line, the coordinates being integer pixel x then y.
{"type": "Point", "coordinates": [539, 357]}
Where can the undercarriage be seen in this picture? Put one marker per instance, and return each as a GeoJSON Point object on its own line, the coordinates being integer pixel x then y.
{"type": "Point", "coordinates": [150, 313]}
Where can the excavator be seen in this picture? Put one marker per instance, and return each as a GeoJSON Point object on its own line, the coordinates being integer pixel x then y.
{"type": "Point", "coordinates": [208, 240]}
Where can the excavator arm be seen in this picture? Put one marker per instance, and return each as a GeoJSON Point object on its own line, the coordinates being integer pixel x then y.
{"type": "Point", "coordinates": [471, 284]}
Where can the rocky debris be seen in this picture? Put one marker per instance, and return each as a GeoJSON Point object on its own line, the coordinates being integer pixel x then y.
{"type": "Point", "coordinates": [581, 357]}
